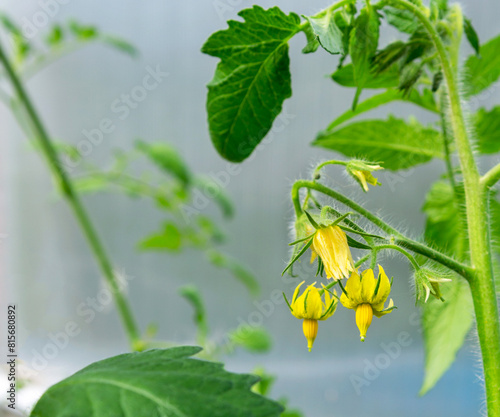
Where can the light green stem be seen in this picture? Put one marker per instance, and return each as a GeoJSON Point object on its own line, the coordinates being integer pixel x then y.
{"type": "Point", "coordinates": [74, 201]}
{"type": "Point", "coordinates": [482, 282]}
{"type": "Point", "coordinates": [489, 179]}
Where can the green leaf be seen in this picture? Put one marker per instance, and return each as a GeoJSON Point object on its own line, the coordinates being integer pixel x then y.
{"type": "Point", "coordinates": [329, 35]}
{"type": "Point", "coordinates": [386, 79]}
{"type": "Point", "coordinates": [166, 158]}
{"type": "Point", "coordinates": [471, 34]}
{"type": "Point", "coordinates": [447, 323]}
{"type": "Point", "coordinates": [55, 36]}
{"type": "Point", "coordinates": [403, 20]}
{"type": "Point", "coordinates": [120, 44]}
{"type": "Point", "coordinates": [395, 142]}
{"type": "Point", "coordinates": [251, 81]}
{"type": "Point", "coordinates": [312, 41]}
{"type": "Point", "coordinates": [193, 296]}
{"type": "Point", "coordinates": [170, 239]}
{"type": "Point", "coordinates": [481, 72]}
{"type": "Point", "coordinates": [253, 339]}
{"type": "Point", "coordinates": [91, 184]}
{"type": "Point", "coordinates": [425, 100]}
{"type": "Point", "coordinates": [363, 45]}
{"type": "Point", "coordinates": [216, 192]}
{"type": "Point", "coordinates": [488, 130]}
{"type": "Point", "coordinates": [163, 382]}
{"type": "Point", "coordinates": [83, 32]}
{"type": "Point", "coordinates": [239, 271]}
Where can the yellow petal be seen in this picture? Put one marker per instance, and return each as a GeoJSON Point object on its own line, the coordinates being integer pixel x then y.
{"type": "Point", "coordinates": [310, 328]}
{"type": "Point", "coordinates": [296, 292]}
{"type": "Point", "coordinates": [314, 305]}
{"type": "Point", "coordinates": [384, 288]}
{"type": "Point", "coordinates": [379, 312]}
{"type": "Point", "coordinates": [364, 316]}
{"type": "Point", "coordinates": [368, 284]}
{"type": "Point", "coordinates": [353, 289]}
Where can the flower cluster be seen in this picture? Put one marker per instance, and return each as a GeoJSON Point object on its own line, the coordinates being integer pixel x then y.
{"type": "Point", "coordinates": [363, 293]}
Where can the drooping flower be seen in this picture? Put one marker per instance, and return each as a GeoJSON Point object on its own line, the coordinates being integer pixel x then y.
{"type": "Point", "coordinates": [310, 308]}
{"type": "Point", "coordinates": [330, 244]}
{"type": "Point", "coordinates": [362, 173]}
{"type": "Point", "coordinates": [367, 295]}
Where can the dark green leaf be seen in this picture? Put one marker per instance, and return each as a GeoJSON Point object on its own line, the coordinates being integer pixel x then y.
{"type": "Point", "coordinates": [409, 76]}
{"type": "Point", "coordinates": [251, 81]}
{"type": "Point", "coordinates": [166, 158]}
{"type": "Point", "coordinates": [471, 34]}
{"type": "Point", "coordinates": [388, 56]}
{"type": "Point", "coordinates": [363, 45]}
{"type": "Point", "coordinates": [403, 20]}
{"type": "Point", "coordinates": [169, 239]}
{"type": "Point", "coordinates": [155, 383]}
{"type": "Point", "coordinates": [488, 130]}
{"type": "Point", "coordinates": [120, 44]}
{"type": "Point", "coordinates": [253, 339]}
{"type": "Point", "coordinates": [483, 71]}
{"type": "Point", "coordinates": [387, 79]}
{"type": "Point", "coordinates": [396, 143]}
{"type": "Point", "coordinates": [329, 35]}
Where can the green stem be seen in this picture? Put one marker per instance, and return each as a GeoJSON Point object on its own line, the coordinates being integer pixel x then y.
{"type": "Point", "coordinates": [446, 144]}
{"type": "Point", "coordinates": [482, 283]}
{"type": "Point", "coordinates": [489, 179]}
{"type": "Point", "coordinates": [323, 164]}
{"type": "Point", "coordinates": [401, 250]}
{"type": "Point", "coordinates": [74, 201]}
{"type": "Point", "coordinates": [396, 238]}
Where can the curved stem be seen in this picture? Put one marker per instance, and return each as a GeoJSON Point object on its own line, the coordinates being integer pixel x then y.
{"type": "Point", "coordinates": [482, 283]}
{"type": "Point", "coordinates": [489, 179]}
{"type": "Point", "coordinates": [74, 201]}
{"type": "Point", "coordinates": [400, 250]}
{"type": "Point", "coordinates": [396, 238]}
{"type": "Point", "coordinates": [323, 164]}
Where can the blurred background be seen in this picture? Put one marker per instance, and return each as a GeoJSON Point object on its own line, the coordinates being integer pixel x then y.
{"type": "Point", "coordinates": [48, 271]}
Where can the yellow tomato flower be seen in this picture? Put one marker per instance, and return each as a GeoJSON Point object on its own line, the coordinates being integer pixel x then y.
{"type": "Point", "coordinates": [362, 173]}
{"type": "Point", "coordinates": [367, 295]}
{"type": "Point", "coordinates": [330, 243]}
{"type": "Point", "coordinates": [310, 307]}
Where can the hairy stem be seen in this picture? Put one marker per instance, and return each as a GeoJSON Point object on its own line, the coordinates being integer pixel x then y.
{"type": "Point", "coordinates": [75, 203]}
{"type": "Point", "coordinates": [482, 283]}
{"type": "Point", "coordinates": [396, 238]}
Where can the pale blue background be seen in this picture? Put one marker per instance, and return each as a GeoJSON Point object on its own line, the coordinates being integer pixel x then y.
{"type": "Point", "coordinates": [47, 267]}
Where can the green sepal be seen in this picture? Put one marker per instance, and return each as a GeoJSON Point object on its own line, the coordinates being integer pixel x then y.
{"type": "Point", "coordinates": [355, 244]}
{"type": "Point", "coordinates": [296, 257]}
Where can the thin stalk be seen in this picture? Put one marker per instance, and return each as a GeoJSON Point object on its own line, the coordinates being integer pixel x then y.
{"type": "Point", "coordinates": [489, 179]}
{"type": "Point", "coordinates": [482, 283]}
{"type": "Point", "coordinates": [67, 188]}
{"type": "Point", "coordinates": [396, 238]}
{"type": "Point", "coordinates": [323, 164]}
{"type": "Point", "coordinates": [400, 250]}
